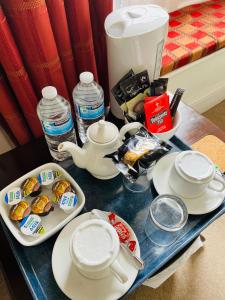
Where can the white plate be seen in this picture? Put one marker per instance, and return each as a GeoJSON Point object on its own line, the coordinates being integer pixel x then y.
{"type": "Point", "coordinates": [78, 287]}
{"type": "Point", "coordinates": [206, 203]}
{"type": "Point", "coordinates": [53, 222]}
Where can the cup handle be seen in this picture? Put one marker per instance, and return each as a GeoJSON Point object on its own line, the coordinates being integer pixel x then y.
{"type": "Point", "coordinates": [219, 179]}
{"type": "Point", "coordinates": [119, 272]}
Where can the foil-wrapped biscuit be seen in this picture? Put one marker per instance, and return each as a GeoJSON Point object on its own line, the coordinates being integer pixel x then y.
{"type": "Point", "coordinates": [131, 157]}
{"type": "Point", "coordinates": [20, 211]}
{"type": "Point", "coordinates": [138, 152]}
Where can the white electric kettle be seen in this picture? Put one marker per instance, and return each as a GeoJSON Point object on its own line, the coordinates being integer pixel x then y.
{"type": "Point", "coordinates": [135, 39]}
{"type": "Point", "coordinates": [103, 138]}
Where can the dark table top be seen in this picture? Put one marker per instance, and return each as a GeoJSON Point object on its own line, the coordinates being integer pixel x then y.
{"type": "Point", "coordinates": [35, 262]}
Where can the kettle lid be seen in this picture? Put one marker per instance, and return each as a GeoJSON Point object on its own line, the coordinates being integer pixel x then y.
{"type": "Point", "coordinates": [102, 132]}
{"type": "Point", "coordinates": [134, 20]}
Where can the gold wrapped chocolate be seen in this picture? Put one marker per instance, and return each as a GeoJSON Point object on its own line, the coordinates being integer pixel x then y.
{"type": "Point", "coordinates": [31, 187]}
{"type": "Point", "coordinates": [61, 187]}
{"type": "Point", "coordinates": [19, 211]}
{"type": "Point", "coordinates": [41, 205]}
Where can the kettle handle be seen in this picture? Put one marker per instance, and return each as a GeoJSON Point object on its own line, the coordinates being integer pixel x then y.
{"type": "Point", "coordinates": [133, 127]}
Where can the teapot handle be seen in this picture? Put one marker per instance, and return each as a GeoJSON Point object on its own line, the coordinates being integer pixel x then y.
{"type": "Point", "coordinates": [133, 127]}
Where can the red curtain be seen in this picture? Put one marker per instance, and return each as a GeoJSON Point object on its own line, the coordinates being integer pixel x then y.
{"type": "Point", "coordinates": [11, 114]}
{"type": "Point", "coordinates": [18, 77]}
{"type": "Point", "coordinates": [99, 11]}
{"type": "Point", "coordinates": [48, 42]}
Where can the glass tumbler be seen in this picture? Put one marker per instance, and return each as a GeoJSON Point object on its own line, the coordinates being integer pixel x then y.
{"type": "Point", "coordinates": [143, 181]}
{"type": "Point", "coordinates": [167, 216]}
{"type": "Point", "coordinates": [140, 185]}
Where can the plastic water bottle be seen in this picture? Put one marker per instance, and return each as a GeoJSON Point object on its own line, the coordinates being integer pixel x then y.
{"type": "Point", "coordinates": [55, 115]}
{"type": "Point", "coordinates": [88, 100]}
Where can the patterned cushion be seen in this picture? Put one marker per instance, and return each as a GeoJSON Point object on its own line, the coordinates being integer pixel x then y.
{"type": "Point", "coordinates": [194, 31]}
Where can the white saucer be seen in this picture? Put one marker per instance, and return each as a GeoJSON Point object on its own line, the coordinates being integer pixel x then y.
{"type": "Point", "coordinates": [76, 286]}
{"type": "Point", "coordinates": [206, 203]}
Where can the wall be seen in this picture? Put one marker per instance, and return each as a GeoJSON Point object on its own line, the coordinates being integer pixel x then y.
{"type": "Point", "coordinates": [168, 5]}
{"type": "Point", "coordinates": [5, 143]}
{"type": "Point", "coordinates": [204, 81]}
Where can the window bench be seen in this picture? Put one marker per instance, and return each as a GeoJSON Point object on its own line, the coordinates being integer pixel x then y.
{"type": "Point", "coordinates": [194, 54]}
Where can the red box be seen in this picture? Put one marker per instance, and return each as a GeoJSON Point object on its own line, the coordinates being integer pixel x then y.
{"type": "Point", "coordinates": [157, 113]}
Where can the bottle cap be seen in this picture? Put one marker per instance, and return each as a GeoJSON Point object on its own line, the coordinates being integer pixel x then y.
{"type": "Point", "coordinates": [49, 92]}
{"type": "Point", "coordinates": [86, 77]}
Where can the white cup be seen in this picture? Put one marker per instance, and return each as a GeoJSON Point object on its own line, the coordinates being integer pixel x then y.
{"type": "Point", "coordinates": [192, 172]}
{"type": "Point", "coordinates": [94, 248]}
{"type": "Point", "coordinates": [167, 135]}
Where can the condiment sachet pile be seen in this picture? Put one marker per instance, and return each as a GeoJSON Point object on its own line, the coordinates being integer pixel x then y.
{"type": "Point", "coordinates": [147, 102]}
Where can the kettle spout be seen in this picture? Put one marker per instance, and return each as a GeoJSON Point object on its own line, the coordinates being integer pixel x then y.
{"type": "Point", "coordinates": [78, 154]}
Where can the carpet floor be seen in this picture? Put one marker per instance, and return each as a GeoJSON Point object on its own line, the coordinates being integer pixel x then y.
{"type": "Point", "coordinates": [203, 276]}
{"type": "Point", "coordinates": [217, 116]}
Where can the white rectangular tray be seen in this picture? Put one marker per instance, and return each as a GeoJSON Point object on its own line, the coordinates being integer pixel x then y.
{"type": "Point", "coordinates": [54, 221]}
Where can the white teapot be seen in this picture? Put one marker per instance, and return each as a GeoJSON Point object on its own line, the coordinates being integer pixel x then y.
{"type": "Point", "coordinates": [103, 138]}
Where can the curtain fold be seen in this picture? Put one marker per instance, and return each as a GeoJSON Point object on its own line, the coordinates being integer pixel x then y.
{"type": "Point", "coordinates": [18, 77]}
{"type": "Point", "coordinates": [11, 114]}
{"type": "Point", "coordinates": [78, 13]}
{"type": "Point", "coordinates": [34, 36]}
{"type": "Point", "coordinates": [57, 14]}
{"type": "Point", "coordinates": [48, 42]}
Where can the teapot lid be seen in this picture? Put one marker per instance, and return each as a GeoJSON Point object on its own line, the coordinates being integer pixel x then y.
{"type": "Point", "coordinates": [102, 132]}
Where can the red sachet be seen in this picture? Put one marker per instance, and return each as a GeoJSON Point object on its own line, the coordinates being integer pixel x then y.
{"type": "Point", "coordinates": [157, 113]}
{"type": "Point", "coordinates": [120, 227]}
{"type": "Point", "coordinates": [122, 231]}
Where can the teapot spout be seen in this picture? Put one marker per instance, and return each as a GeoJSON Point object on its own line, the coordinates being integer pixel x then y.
{"type": "Point", "coordinates": [78, 154]}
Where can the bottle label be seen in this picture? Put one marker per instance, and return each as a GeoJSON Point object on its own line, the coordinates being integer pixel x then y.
{"type": "Point", "coordinates": [90, 112]}
{"type": "Point", "coordinates": [58, 127]}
